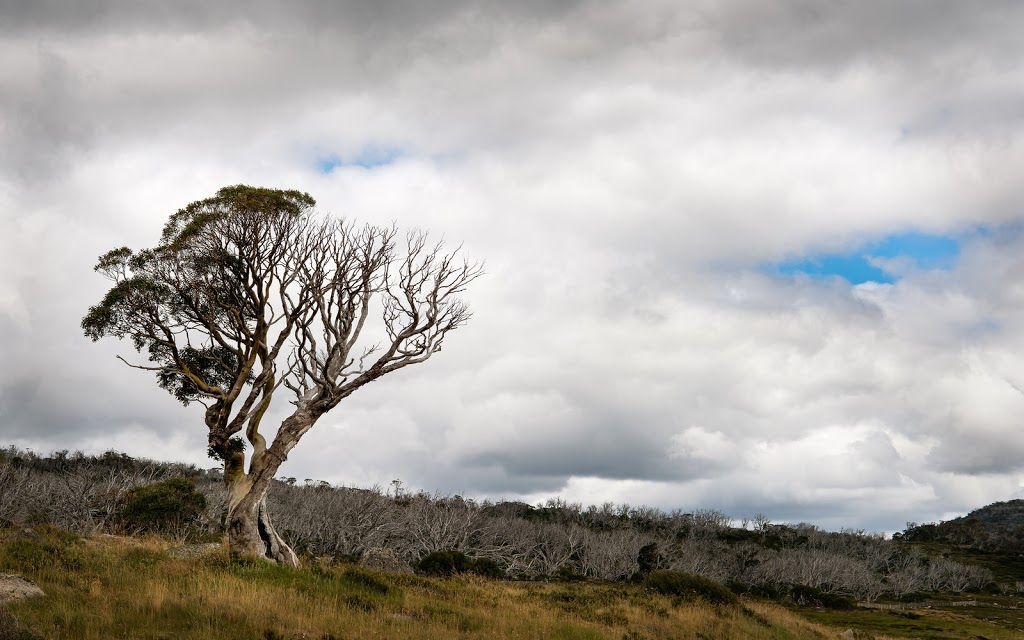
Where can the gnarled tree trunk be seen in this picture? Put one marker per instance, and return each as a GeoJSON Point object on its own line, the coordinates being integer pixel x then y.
{"type": "Point", "coordinates": [251, 533]}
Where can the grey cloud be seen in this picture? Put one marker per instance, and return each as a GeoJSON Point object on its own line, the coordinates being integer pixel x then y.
{"type": "Point", "coordinates": [377, 30]}
{"type": "Point", "coordinates": [822, 34]}
{"type": "Point", "coordinates": [976, 454]}
{"type": "Point", "coordinates": [190, 15]}
{"type": "Point", "coordinates": [624, 169]}
{"type": "Point", "coordinates": [619, 451]}
{"type": "Point", "coordinates": [44, 125]}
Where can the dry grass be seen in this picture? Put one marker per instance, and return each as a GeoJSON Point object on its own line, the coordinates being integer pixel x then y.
{"type": "Point", "coordinates": [131, 588]}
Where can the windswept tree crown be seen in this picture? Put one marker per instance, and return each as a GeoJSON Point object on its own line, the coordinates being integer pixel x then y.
{"type": "Point", "coordinates": [250, 290]}
{"type": "Point", "coordinates": [195, 302]}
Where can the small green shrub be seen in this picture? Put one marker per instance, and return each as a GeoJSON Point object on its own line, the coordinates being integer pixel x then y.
{"type": "Point", "coordinates": [441, 564]}
{"type": "Point", "coordinates": [487, 568]}
{"type": "Point", "coordinates": [688, 587]}
{"type": "Point", "coordinates": [648, 559]}
{"type": "Point", "coordinates": [569, 574]}
{"type": "Point", "coordinates": [169, 507]}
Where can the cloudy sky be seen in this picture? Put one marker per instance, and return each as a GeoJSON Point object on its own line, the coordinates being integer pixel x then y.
{"type": "Point", "coordinates": [748, 255]}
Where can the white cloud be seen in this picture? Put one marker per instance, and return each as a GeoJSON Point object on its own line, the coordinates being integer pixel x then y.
{"type": "Point", "coordinates": [623, 170]}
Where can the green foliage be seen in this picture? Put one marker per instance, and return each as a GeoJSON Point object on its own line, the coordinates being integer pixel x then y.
{"type": "Point", "coordinates": [569, 573]}
{"type": "Point", "coordinates": [215, 365]}
{"type": "Point", "coordinates": [998, 527]}
{"type": "Point", "coordinates": [648, 559]}
{"type": "Point", "coordinates": [188, 222]}
{"type": "Point", "coordinates": [230, 447]}
{"type": "Point", "coordinates": [487, 568]}
{"type": "Point", "coordinates": [185, 302]}
{"type": "Point", "coordinates": [172, 506]}
{"type": "Point", "coordinates": [442, 564]}
{"type": "Point", "coordinates": [688, 587]}
{"type": "Point", "coordinates": [115, 315]}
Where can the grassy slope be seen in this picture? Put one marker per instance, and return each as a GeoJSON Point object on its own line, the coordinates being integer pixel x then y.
{"type": "Point", "coordinates": [132, 588]}
{"type": "Point", "coordinates": [995, 617]}
{"type": "Point", "coordinates": [993, 623]}
{"type": "Point", "coordinates": [1006, 565]}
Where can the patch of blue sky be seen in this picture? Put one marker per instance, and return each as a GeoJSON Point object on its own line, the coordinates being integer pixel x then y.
{"type": "Point", "coordinates": [866, 263]}
{"type": "Point", "coordinates": [369, 157]}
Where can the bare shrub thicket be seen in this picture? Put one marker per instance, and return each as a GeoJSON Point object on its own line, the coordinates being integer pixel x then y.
{"type": "Point", "coordinates": [607, 542]}
{"type": "Point", "coordinates": [79, 493]}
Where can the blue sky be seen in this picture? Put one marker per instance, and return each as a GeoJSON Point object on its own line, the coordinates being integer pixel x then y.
{"type": "Point", "coordinates": [368, 157]}
{"type": "Point", "coordinates": [922, 250]}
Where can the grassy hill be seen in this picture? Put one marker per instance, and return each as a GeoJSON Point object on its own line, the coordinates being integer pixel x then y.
{"type": "Point", "coordinates": [556, 570]}
{"type": "Point", "coordinates": [991, 536]}
{"type": "Point", "coordinates": [118, 587]}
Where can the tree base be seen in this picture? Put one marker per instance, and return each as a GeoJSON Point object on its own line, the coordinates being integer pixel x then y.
{"type": "Point", "coordinates": [251, 534]}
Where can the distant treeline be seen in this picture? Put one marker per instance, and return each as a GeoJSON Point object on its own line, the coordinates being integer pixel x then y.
{"type": "Point", "coordinates": [996, 527]}
{"type": "Point", "coordinates": [555, 540]}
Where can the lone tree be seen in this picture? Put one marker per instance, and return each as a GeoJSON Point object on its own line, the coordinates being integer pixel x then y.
{"type": "Point", "coordinates": [249, 291]}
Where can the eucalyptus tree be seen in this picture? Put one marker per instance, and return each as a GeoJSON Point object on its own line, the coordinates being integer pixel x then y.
{"type": "Point", "coordinates": [250, 295]}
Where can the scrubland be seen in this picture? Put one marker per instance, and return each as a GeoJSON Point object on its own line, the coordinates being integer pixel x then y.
{"type": "Point", "coordinates": [99, 533]}
{"type": "Point", "coordinates": [121, 587]}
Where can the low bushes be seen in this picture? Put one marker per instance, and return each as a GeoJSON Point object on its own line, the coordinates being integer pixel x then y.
{"type": "Point", "coordinates": [169, 507]}
{"type": "Point", "coordinates": [451, 562]}
{"type": "Point", "coordinates": [689, 587]}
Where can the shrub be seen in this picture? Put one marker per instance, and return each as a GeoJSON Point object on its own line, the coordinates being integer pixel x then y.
{"type": "Point", "coordinates": [171, 506]}
{"type": "Point", "coordinates": [487, 568]}
{"type": "Point", "coordinates": [569, 574]}
{"type": "Point", "coordinates": [648, 559]}
{"type": "Point", "coordinates": [442, 564]}
{"type": "Point", "coordinates": [688, 587]}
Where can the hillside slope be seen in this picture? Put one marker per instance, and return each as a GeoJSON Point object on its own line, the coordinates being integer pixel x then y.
{"type": "Point", "coordinates": [114, 587]}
